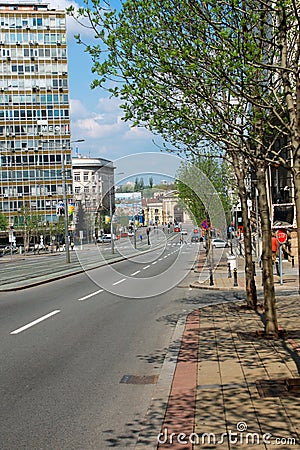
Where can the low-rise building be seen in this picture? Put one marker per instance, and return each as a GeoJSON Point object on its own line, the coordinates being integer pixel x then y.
{"type": "Point", "coordinates": [93, 184]}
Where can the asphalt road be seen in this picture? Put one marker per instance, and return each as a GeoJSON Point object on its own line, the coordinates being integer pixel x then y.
{"type": "Point", "coordinates": [66, 346]}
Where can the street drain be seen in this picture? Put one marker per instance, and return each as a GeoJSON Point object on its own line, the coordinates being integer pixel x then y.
{"type": "Point", "coordinates": [282, 387]}
{"type": "Point", "coordinates": [139, 379]}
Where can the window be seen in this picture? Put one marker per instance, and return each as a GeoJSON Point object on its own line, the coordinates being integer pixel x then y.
{"type": "Point", "coordinates": [86, 176]}
{"type": "Point", "coordinates": [76, 176]}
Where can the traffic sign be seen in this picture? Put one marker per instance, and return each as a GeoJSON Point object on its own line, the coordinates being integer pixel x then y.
{"type": "Point", "coordinates": [281, 236]}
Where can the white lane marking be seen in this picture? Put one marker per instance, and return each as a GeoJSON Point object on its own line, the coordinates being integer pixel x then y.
{"type": "Point", "coordinates": [135, 273]}
{"type": "Point", "coordinates": [155, 262]}
{"type": "Point", "coordinates": [120, 281]}
{"type": "Point", "coordinates": [146, 267]}
{"type": "Point", "coordinates": [31, 324]}
{"type": "Point", "coordinates": [160, 259]}
{"type": "Point", "coordinates": [90, 295]}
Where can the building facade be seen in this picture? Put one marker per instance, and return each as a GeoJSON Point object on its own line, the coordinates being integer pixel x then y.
{"type": "Point", "coordinates": [93, 184]}
{"type": "Point", "coordinates": [35, 150]}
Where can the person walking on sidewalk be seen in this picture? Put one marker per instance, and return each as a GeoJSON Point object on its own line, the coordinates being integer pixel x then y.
{"type": "Point", "coordinates": [274, 248]}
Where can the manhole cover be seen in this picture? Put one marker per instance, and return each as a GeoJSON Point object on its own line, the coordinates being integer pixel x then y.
{"type": "Point", "coordinates": [282, 387]}
{"type": "Point", "coordinates": [139, 379]}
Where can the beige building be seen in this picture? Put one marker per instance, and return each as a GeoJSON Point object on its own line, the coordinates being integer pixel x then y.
{"type": "Point", "coordinates": [93, 185]}
{"type": "Point", "coordinates": [163, 209]}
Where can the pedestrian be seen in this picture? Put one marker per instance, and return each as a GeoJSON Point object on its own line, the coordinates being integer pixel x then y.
{"type": "Point", "coordinates": [274, 248]}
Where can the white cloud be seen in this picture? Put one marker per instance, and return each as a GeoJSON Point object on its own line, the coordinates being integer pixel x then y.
{"type": "Point", "coordinates": [137, 133]}
{"type": "Point", "coordinates": [94, 127]}
{"type": "Point", "coordinates": [78, 110]}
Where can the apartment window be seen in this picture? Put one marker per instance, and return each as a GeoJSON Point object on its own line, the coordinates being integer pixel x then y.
{"type": "Point", "coordinates": [86, 176]}
{"type": "Point", "coordinates": [77, 176]}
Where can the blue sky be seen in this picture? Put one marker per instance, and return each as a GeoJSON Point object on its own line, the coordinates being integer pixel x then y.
{"type": "Point", "coordinates": [94, 116]}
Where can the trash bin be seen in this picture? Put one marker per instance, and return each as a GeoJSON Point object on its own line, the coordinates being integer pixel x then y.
{"type": "Point", "coordinates": [231, 259]}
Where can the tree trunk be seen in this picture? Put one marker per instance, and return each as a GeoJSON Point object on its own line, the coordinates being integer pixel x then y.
{"type": "Point", "coordinates": [249, 272]}
{"type": "Point", "coordinates": [296, 179]}
{"type": "Point", "coordinates": [271, 325]}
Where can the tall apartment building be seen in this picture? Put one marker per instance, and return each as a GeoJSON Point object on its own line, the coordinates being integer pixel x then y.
{"type": "Point", "coordinates": [34, 111]}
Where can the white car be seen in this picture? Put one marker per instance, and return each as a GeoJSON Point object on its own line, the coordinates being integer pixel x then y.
{"type": "Point", "coordinates": [184, 232]}
{"type": "Point", "coordinates": [217, 243]}
{"type": "Point", "coordinates": [106, 238]}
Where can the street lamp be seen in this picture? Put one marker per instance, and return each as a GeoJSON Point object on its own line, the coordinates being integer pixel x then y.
{"type": "Point", "coordinates": [111, 219]}
{"type": "Point", "coordinates": [65, 199]}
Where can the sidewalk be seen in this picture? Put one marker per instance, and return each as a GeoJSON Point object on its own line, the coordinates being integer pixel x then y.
{"type": "Point", "coordinates": [222, 281]}
{"type": "Point", "coordinates": [229, 382]}
{"type": "Point", "coordinates": [226, 387]}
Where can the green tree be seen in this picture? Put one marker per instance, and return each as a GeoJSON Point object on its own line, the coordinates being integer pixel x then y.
{"type": "Point", "coordinates": [3, 222]}
{"type": "Point", "coordinates": [137, 185]}
{"type": "Point", "coordinates": [214, 170]}
{"type": "Point", "coordinates": [227, 76]}
{"type": "Point", "coordinates": [164, 81]}
{"type": "Point", "coordinates": [151, 182]}
{"type": "Point", "coordinates": [142, 184]}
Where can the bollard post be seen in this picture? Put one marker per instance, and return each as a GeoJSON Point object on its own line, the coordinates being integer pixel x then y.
{"type": "Point", "coordinates": [253, 267]}
{"type": "Point", "coordinates": [293, 261]}
{"type": "Point", "coordinates": [211, 278]}
{"type": "Point", "coordinates": [229, 270]}
{"type": "Point", "coordinates": [277, 268]}
{"type": "Point", "coordinates": [235, 282]}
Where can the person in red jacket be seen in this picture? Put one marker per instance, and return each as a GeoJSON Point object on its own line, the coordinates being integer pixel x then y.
{"type": "Point", "coordinates": [274, 248]}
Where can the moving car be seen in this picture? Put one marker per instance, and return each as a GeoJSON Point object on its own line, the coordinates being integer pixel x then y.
{"type": "Point", "coordinates": [195, 238]}
{"type": "Point", "coordinates": [217, 243]}
{"type": "Point", "coordinates": [184, 232]}
{"type": "Point", "coordinates": [106, 238]}
{"type": "Point", "coordinates": [177, 229]}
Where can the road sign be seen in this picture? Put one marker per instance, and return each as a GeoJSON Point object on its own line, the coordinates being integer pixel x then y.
{"type": "Point", "coordinates": [281, 236]}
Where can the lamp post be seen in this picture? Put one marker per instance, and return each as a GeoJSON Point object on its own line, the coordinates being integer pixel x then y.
{"type": "Point", "coordinates": [65, 200]}
{"type": "Point", "coordinates": [111, 219]}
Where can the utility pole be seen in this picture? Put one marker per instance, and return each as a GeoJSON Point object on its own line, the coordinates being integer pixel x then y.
{"type": "Point", "coordinates": [66, 217]}
{"type": "Point", "coordinates": [111, 217]}
{"type": "Point", "coordinates": [65, 199]}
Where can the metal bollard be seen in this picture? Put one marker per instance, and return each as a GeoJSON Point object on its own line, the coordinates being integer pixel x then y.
{"type": "Point", "coordinates": [253, 267]}
{"type": "Point", "coordinates": [211, 278]}
{"type": "Point", "coordinates": [235, 282]}
{"type": "Point", "coordinates": [229, 270]}
{"type": "Point", "coordinates": [293, 261]}
{"type": "Point", "coordinates": [277, 268]}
